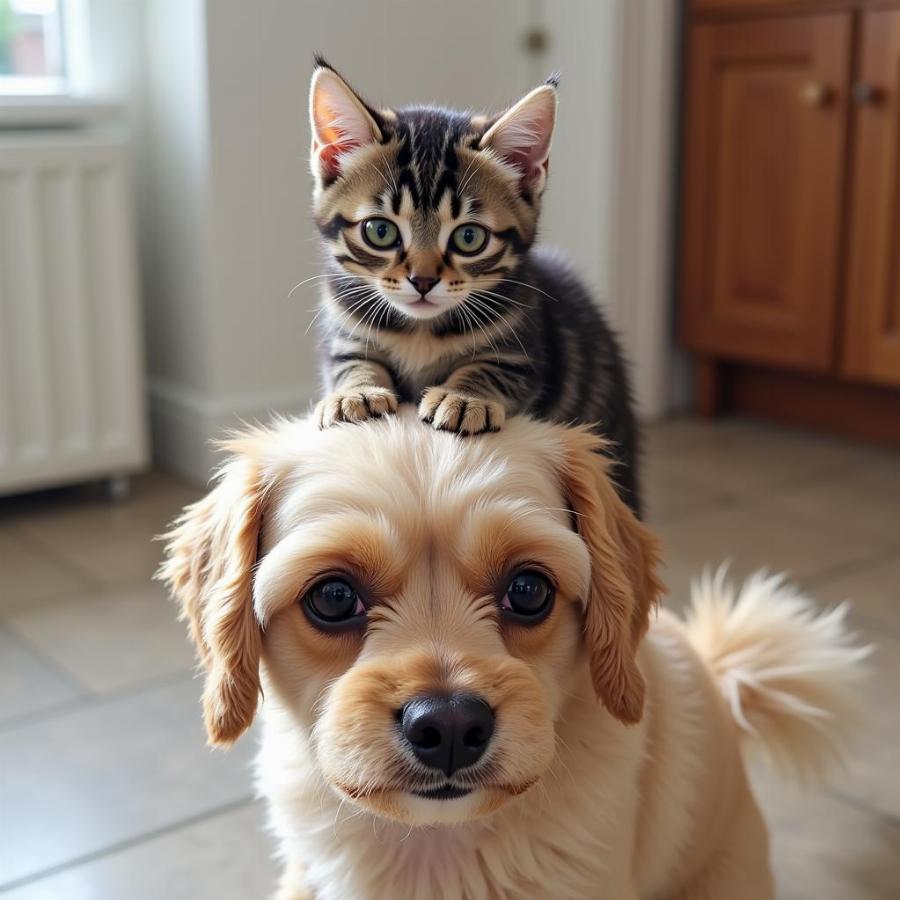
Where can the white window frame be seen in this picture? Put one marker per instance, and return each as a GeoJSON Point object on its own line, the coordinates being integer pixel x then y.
{"type": "Point", "coordinates": [19, 87]}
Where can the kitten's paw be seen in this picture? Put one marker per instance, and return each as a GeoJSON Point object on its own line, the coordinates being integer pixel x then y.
{"type": "Point", "coordinates": [355, 406]}
{"type": "Point", "coordinates": [461, 413]}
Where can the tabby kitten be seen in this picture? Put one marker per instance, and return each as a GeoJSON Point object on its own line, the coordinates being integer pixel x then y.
{"type": "Point", "coordinates": [432, 290]}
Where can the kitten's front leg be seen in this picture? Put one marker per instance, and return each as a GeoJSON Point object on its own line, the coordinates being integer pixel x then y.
{"type": "Point", "coordinates": [476, 398]}
{"type": "Point", "coordinates": [363, 389]}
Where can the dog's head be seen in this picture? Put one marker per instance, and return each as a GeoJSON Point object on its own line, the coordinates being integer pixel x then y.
{"type": "Point", "coordinates": [420, 606]}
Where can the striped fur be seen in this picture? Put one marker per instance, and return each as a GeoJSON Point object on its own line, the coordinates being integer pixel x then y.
{"type": "Point", "coordinates": [505, 330]}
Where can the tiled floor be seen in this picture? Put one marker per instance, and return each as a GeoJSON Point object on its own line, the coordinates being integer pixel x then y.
{"type": "Point", "coordinates": [107, 791]}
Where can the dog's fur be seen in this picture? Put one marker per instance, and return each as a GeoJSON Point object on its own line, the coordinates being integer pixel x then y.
{"type": "Point", "coordinates": [640, 795]}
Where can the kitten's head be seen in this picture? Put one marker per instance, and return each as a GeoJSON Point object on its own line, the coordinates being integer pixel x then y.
{"type": "Point", "coordinates": [427, 206]}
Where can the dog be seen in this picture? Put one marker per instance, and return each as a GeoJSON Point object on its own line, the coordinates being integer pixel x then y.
{"type": "Point", "coordinates": [467, 689]}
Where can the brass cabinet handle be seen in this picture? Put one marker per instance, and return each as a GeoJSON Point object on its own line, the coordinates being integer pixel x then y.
{"type": "Point", "coordinates": [866, 94]}
{"type": "Point", "coordinates": [816, 93]}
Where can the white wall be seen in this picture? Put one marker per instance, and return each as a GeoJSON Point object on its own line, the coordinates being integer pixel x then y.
{"type": "Point", "coordinates": [578, 205]}
{"type": "Point", "coordinates": [176, 194]}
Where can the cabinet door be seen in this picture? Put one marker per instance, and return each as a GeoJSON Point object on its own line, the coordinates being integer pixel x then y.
{"type": "Point", "coordinates": [872, 339]}
{"type": "Point", "coordinates": [763, 172]}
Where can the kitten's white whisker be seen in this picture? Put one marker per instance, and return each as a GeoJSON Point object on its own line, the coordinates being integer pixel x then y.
{"type": "Point", "coordinates": [342, 296]}
{"type": "Point", "coordinates": [502, 297]}
{"type": "Point", "coordinates": [365, 317]}
{"type": "Point", "coordinates": [300, 284]}
{"type": "Point", "coordinates": [470, 175]}
{"type": "Point", "coordinates": [358, 304]}
{"type": "Point", "coordinates": [531, 286]}
{"type": "Point", "coordinates": [483, 317]}
{"type": "Point", "coordinates": [504, 321]}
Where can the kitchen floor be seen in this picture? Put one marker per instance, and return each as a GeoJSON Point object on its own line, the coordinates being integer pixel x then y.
{"type": "Point", "coordinates": [108, 791]}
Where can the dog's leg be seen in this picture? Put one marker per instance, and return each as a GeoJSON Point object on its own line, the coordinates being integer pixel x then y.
{"type": "Point", "coordinates": [739, 869]}
{"type": "Point", "coordinates": [292, 884]}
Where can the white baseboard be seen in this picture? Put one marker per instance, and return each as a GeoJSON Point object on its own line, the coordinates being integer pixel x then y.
{"type": "Point", "coordinates": [185, 424]}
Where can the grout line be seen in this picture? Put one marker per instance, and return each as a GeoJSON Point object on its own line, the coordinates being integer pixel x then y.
{"type": "Point", "coordinates": [129, 843]}
{"type": "Point", "coordinates": [27, 644]}
{"type": "Point", "coordinates": [94, 699]}
{"type": "Point", "coordinates": [38, 546]}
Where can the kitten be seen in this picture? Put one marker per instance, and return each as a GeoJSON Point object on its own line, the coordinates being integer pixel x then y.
{"type": "Point", "coordinates": [432, 290]}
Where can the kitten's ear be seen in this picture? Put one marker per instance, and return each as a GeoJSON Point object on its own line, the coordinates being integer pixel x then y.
{"type": "Point", "coordinates": [340, 122]}
{"type": "Point", "coordinates": [521, 136]}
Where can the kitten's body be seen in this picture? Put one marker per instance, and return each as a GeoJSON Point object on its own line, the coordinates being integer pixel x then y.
{"type": "Point", "coordinates": [558, 359]}
{"type": "Point", "coordinates": [479, 335]}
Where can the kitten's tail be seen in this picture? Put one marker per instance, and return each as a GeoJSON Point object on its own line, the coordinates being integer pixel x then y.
{"type": "Point", "coordinates": [787, 671]}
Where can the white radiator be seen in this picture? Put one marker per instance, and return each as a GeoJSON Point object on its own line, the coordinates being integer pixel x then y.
{"type": "Point", "coordinates": [71, 392]}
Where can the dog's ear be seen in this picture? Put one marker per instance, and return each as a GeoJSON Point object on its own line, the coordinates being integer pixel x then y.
{"type": "Point", "coordinates": [624, 586]}
{"type": "Point", "coordinates": [211, 553]}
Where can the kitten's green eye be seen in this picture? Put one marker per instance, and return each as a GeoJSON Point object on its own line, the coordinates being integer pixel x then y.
{"type": "Point", "coordinates": [469, 239]}
{"type": "Point", "coordinates": [382, 234]}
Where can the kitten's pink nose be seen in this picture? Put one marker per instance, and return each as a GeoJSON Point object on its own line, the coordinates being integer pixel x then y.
{"type": "Point", "coordinates": [422, 283]}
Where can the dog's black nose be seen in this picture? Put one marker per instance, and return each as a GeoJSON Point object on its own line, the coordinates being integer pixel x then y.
{"type": "Point", "coordinates": [422, 283]}
{"type": "Point", "coordinates": [447, 733]}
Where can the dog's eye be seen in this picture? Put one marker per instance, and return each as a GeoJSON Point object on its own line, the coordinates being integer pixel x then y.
{"type": "Point", "coordinates": [333, 603]}
{"type": "Point", "coordinates": [528, 598]}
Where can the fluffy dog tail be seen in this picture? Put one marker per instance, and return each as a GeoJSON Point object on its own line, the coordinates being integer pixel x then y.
{"type": "Point", "coordinates": [788, 672]}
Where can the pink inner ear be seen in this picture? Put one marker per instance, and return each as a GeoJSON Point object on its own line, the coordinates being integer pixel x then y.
{"type": "Point", "coordinates": [340, 123]}
{"type": "Point", "coordinates": [529, 164]}
{"type": "Point", "coordinates": [329, 155]}
{"type": "Point", "coordinates": [522, 137]}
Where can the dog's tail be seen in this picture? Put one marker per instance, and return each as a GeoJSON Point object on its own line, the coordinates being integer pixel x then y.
{"type": "Point", "coordinates": [788, 672]}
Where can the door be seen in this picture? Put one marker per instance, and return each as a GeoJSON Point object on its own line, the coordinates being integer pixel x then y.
{"type": "Point", "coordinates": [872, 335]}
{"type": "Point", "coordinates": [763, 162]}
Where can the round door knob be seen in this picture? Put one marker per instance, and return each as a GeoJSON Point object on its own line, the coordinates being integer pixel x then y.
{"type": "Point", "coordinates": [536, 41]}
{"type": "Point", "coordinates": [816, 93]}
{"type": "Point", "coordinates": [865, 93]}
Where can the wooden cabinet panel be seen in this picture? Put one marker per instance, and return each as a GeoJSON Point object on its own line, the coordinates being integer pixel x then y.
{"type": "Point", "coordinates": [762, 197]}
{"type": "Point", "coordinates": [872, 339]}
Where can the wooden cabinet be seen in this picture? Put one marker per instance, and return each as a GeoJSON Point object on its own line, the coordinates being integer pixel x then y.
{"type": "Point", "coordinates": [789, 276]}
{"type": "Point", "coordinates": [872, 341]}
{"type": "Point", "coordinates": [764, 168]}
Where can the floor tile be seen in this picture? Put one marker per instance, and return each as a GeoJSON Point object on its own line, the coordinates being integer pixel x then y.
{"type": "Point", "coordinates": [668, 493]}
{"type": "Point", "coordinates": [29, 684]}
{"type": "Point", "coordinates": [108, 639]}
{"type": "Point", "coordinates": [864, 500]}
{"type": "Point", "coordinates": [873, 769]}
{"type": "Point", "coordinates": [225, 857]}
{"type": "Point", "coordinates": [873, 591]}
{"type": "Point", "coordinates": [825, 849]}
{"type": "Point", "coordinates": [752, 537]}
{"type": "Point", "coordinates": [82, 782]}
{"type": "Point", "coordinates": [108, 542]}
{"type": "Point", "coordinates": [29, 573]}
{"type": "Point", "coordinates": [740, 456]}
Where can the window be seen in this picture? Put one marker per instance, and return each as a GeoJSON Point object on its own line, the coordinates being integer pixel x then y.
{"type": "Point", "coordinates": [32, 58]}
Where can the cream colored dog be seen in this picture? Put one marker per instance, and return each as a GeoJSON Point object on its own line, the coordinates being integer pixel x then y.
{"type": "Point", "coordinates": [464, 693]}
